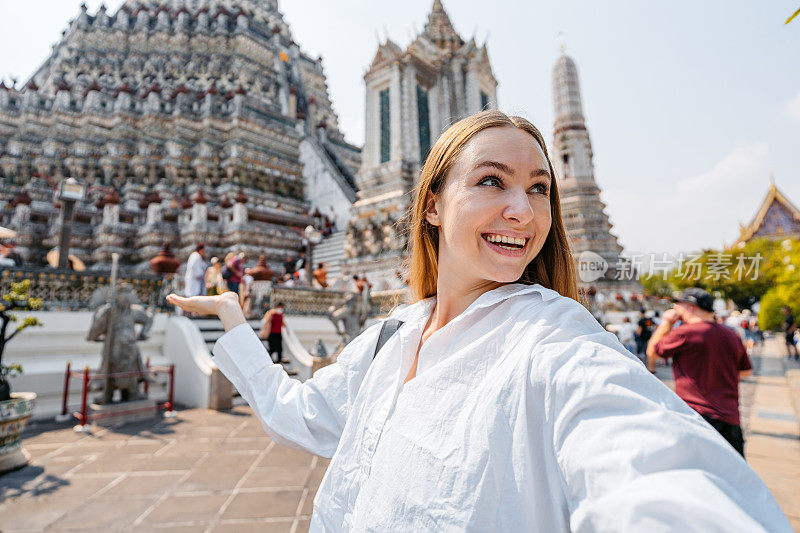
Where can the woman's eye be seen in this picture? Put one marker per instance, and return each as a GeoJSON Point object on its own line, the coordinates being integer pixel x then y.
{"type": "Point", "coordinates": [491, 181]}
{"type": "Point", "coordinates": [541, 189]}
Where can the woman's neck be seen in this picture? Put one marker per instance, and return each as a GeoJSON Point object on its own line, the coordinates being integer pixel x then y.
{"type": "Point", "coordinates": [452, 299]}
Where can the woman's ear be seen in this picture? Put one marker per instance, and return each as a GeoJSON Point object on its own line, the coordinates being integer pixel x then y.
{"type": "Point", "coordinates": [431, 212]}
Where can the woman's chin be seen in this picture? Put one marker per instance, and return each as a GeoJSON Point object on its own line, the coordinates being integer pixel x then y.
{"type": "Point", "coordinates": [506, 275]}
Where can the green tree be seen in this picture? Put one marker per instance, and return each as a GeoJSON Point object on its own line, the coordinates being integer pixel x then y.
{"type": "Point", "coordinates": [785, 289]}
{"type": "Point", "coordinates": [16, 300]}
{"type": "Point", "coordinates": [761, 269]}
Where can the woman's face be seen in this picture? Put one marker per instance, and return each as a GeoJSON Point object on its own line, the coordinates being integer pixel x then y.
{"type": "Point", "coordinates": [493, 211]}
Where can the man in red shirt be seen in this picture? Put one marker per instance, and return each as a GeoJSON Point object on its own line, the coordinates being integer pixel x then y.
{"type": "Point", "coordinates": [271, 330]}
{"type": "Point", "coordinates": [708, 360]}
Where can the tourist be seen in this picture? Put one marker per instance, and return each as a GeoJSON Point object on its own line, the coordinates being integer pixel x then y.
{"type": "Point", "coordinates": [749, 325]}
{"type": "Point", "coordinates": [627, 335]}
{"type": "Point", "coordinates": [361, 284]}
{"type": "Point", "coordinates": [245, 296]}
{"type": "Point", "coordinates": [708, 360]}
{"type": "Point", "coordinates": [789, 327]}
{"type": "Point", "coordinates": [643, 332]}
{"type": "Point", "coordinates": [194, 277]}
{"type": "Point", "coordinates": [232, 272]}
{"type": "Point", "coordinates": [271, 331]}
{"type": "Point", "coordinates": [495, 402]}
{"type": "Point", "coordinates": [288, 266]}
{"type": "Point", "coordinates": [321, 276]}
{"type": "Point", "coordinates": [214, 282]}
{"type": "Point", "coordinates": [9, 255]}
{"type": "Point", "coordinates": [300, 264]}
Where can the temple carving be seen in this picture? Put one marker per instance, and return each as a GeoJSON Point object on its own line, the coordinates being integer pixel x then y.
{"type": "Point", "coordinates": [188, 120]}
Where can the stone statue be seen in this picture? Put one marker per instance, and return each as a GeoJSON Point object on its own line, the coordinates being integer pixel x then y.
{"type": "Point", "coordinates": [114, 324]}
{"type": "Point", "coordinates": [350, 317]}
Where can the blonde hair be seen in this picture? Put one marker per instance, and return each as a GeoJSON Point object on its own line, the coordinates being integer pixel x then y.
{"type": "Point", "coordinates": [553, 267]}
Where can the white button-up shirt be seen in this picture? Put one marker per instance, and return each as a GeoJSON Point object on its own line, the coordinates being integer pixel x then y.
{"type": "Point", "coordinates": [524, 415]}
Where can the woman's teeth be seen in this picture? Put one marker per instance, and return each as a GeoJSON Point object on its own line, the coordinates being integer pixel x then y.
{"type": "Point", "coordinates": [509, 243]}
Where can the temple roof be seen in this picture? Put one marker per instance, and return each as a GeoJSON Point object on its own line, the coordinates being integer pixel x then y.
{"type": "Point", "coordinates": [776, 218]}
{"type": "Point", "coordinates": [440, 30]}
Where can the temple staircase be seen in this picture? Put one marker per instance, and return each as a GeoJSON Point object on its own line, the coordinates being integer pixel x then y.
{"type": "Point", "coordinates": [331, 251]}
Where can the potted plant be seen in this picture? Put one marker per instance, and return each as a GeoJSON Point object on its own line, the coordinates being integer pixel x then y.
{"type": "Point", "coordinates": [15, 408]}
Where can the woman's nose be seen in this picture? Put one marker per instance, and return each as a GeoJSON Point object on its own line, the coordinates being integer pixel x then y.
{"type": "Point", "coordinates": [518, 207]}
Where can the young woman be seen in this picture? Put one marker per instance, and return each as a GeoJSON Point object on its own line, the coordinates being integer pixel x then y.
{"type": "Point", "coordinates": [500, 404]}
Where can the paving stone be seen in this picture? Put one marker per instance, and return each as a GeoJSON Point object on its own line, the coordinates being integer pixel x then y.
{"type": "Point", "coordinates": [36, 513]}
{"type": "Point", "coordinates": [239, 444]}
{"type": "Point", "coordinates": [284, 456]}
{"type": "Point", "coordinates": [168, 461]}
{"type": "Point", "coordinates": [104, 514]}
{"type": "Point", "coordinates": [60, 465]}
{"type": "Point", "coordinates": [137, 484]}
{"type": "Point", "coordinates": [39, 450]}
{"type": "Point", "coordinates": [80, 449]}
{"type": "Point", "coordinates": [308, 503]}
{"type": "Point", "coordinates": [315, 478]}
{"type": "Point", "coordinates": [282, 503]}
{"type": "Point", "coordinates": [239, 526]}
{"type": "Point", "coordinates": [111, 463]}
{"type": "Point", "coordinates": [189, 508]}
{"type": "Point", "coordinates": [212, 479]}
{"type": "Point", "coordinates": [276, 477]}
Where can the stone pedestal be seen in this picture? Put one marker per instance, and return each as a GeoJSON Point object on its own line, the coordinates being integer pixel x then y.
{"type": "Point", "coordinates": [321, 362]}
{"type": "Point", "coordinates": [221, 393]}
{"type": "Point", "coordinates": [123, 412]}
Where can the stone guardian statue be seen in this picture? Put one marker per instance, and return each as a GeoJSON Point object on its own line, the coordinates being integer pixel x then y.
{"type": "Point", "coordinates": [114, 324]}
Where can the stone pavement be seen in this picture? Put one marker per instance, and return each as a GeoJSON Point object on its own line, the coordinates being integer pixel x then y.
{"type": "Point", "coordinates": [201, 471]}
{"type": "Point", "coordinates": [214, 471]}
{"type": "Point", "coordinates": [770, 423]}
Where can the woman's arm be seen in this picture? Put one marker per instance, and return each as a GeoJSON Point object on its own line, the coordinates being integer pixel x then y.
{"type": "Point", "coordinates": [309, 415]}
{"type": "Point", "coordinates": [633, 457]}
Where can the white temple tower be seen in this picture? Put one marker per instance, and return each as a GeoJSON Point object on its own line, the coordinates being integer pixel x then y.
{"type": "Point", "coordinates": [412, 96]}
{"type": "Point", "coordinates": [587, 224]}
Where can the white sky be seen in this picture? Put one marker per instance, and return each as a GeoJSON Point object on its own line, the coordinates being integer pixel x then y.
{"type": "Point", "coordinates": [690, 105]}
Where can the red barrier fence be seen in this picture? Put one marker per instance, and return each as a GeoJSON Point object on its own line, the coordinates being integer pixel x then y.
{"type": "Point", "coordinates": [87, 377]}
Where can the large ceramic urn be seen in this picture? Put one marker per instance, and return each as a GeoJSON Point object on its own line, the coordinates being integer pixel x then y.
{"type": "Point", "coordinates": [14, 415]}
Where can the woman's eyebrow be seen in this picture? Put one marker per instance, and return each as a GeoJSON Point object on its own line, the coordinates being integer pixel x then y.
{"type": "Point", "coordinates": [502, 167]}
{"type": "Point", "coordinates": [541, 172]}
{"type": "Point", "coordinates": [538, 173]}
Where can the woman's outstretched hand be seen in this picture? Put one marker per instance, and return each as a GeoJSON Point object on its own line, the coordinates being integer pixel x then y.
{"type": "Point", "coordinates": [225, 306]}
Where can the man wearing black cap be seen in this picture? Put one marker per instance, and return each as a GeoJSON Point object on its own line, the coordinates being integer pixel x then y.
{"type": "Point", "coordinates": [708, 359]}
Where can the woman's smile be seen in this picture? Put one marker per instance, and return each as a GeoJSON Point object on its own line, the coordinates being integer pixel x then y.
{"type": "Point", "coordinates": [506, 245]}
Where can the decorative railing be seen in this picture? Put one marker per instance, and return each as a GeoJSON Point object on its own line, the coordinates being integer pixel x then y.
{"type": "Point", "coordinates": [317, 302]}
{"type": "Point", "coordinates": [67, 290]}
{"type": "Point", "coordinates": [71, 291]}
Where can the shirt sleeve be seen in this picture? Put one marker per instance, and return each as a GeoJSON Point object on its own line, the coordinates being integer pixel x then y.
{"type": "Point", "coordinates": [306, 415]}
{"type": "Point", "coordinates": [670, 344]}
{"type": "Point", "coordinates": [631, 455]}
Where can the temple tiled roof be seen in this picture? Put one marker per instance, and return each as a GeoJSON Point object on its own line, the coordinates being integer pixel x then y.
{"type": "Point", "coordinates": [776, 218]}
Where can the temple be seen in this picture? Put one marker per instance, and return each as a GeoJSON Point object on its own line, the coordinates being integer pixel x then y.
{"type": "Point", "coordinates": [776, 218]}
{"type": "Point", "coordinates": [586, 221]}
{"type": "Point", "coordinates": [188, 120]}
{"type": "Point", "coordinates": [412, 96]}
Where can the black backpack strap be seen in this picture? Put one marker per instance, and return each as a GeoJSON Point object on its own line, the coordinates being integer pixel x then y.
{"type": "Point", "coordinates": [387, 330]}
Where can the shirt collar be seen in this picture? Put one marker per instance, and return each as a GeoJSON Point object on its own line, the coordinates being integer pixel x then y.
{"type": "Point", "coordinates": [424, 307]}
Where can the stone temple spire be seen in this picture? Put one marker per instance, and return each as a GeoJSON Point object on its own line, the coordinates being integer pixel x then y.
{"type": "Point", "coordinates": [567, 94]}
{"type": "Point", "coordinates": [588, 226]}
{"type": "Point", "coordinates": [440, 30]}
